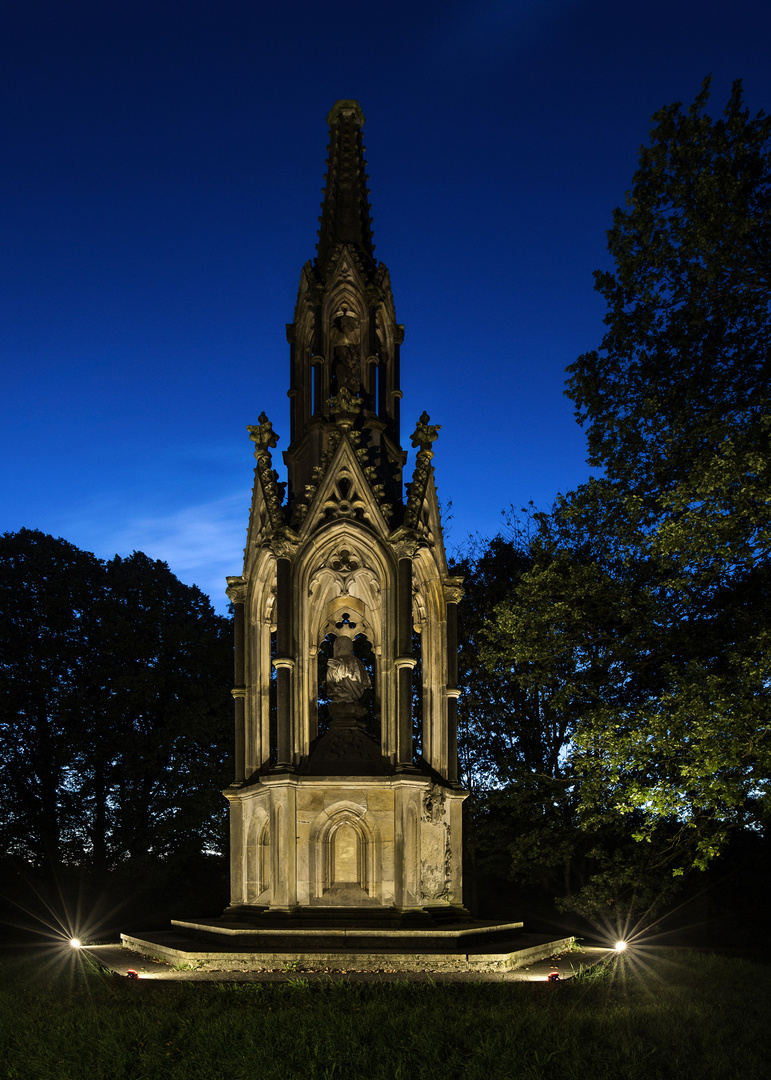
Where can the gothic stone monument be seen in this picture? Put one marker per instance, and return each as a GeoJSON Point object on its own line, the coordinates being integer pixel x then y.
{"type": "Point", "coordinates": [345, 814]}
{"type": "Point", "coordinates": [355, 812]}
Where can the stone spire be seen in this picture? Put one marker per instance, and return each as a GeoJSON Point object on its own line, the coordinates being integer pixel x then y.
{"type": "Point", "coordinates": [345, 340]}
{"type": "Point", "coordinates": [345, 217]}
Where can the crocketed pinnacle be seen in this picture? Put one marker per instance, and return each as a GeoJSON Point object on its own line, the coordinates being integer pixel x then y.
{"type": "Point", "coordinates": [345, 217]}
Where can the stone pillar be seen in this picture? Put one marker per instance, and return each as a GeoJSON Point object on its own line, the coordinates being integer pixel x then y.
{"type": "Point", "coordinates": [283, 663]}
{"type": "Point", "coordinates": [397, 394]}
{"type": "Point", "coordinates": [296, 408]}
{"type": "Point", "coordinates": [317, 377]}
{"type": "Point", "coordinates": [453, 593]}
{"type": "Point", "coordinates": [283, 833]}
{"type": "Point", "coordinates": [237, 883]}
{"type": "Point", "coordinates": [296, 422]}
{"type": "Point", "coordinates": [237, 594]}
{"type": "Point", "coordinates": [381, 382]}
{"type": "Point", "coordinates": [452, 693]}
{"type": "Point", "coordinates": [405, 662]}
{"type": "Point", "coordinates": [373, 354]}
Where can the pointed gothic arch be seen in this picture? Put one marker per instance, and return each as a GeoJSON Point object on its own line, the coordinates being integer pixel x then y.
{"type": "Point", "coordinates": [346, 559]}
{"type": "Point", "coordinates": [345, 820]}
{"type": "Point", "coordinates": [257, 859]}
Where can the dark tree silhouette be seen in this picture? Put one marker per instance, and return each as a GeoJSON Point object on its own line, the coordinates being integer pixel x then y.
{"type": "Point", "coordinates": [115, 731]}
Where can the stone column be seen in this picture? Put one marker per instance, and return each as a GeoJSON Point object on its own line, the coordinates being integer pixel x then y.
{"type": "Point", "coordinates": [453, 594]}
{"type": "Point", "coordinates": [237, 883]}
{"type": "Point", "coordinates": [396, 377]}
{"type": "Point", "coordinates": [296, 407]}
{"type": "Point", "coordinates": [317, 376]}
{"type": "Point", "coordinates": [405, 661]}
{"type": "Point", "coordinates": [237, 594]}
{"type": "Point", "coordinates": [283, 663]}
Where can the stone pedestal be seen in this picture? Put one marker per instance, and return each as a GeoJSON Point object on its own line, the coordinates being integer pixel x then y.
{"type": "Point", "coordinates": [330, 841]}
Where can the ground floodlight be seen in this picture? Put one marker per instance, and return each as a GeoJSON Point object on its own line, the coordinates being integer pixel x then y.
{"type": "Point", "coordinates": [75, 943]}
{"type": "Point", "coordinates": [620, 946]}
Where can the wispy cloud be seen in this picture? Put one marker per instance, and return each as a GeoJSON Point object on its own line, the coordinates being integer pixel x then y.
{"type": "Point", "coordinates": [202, 543]}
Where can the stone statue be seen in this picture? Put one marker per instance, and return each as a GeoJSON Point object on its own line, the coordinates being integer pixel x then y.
{"type": "Point", "coordinates": [347, 678]}
{"type": "Point", "coordinates": [345, 350]}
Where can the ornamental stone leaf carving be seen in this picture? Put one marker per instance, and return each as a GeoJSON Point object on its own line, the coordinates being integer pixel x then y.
{"type": "Point", "coordinates": [262, 435]}
{"type": "Point", "coordinates": [283, 543]}
{"type": "Point", "coordinates": [404, 544]}
{"type": "Point", "coordinates": [345, 406]}
{"type": "Point", "coordinates": [236, 590]}
{"type": "Point", "coordinates": [425, 434]}
{"type": "Point", "coordinates": [265, 439]}
{"type": "Point", "coordinates": [434, 805]}
{"type": "Point", "coordinates": [453, 589]}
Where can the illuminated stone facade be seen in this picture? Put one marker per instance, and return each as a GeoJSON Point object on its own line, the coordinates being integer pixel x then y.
{"type": "Point", "coordinates": [341, 799]}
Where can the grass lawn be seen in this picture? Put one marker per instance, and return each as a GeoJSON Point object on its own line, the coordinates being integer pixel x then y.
{"type": "Point", "coordinates": [647, 1015]}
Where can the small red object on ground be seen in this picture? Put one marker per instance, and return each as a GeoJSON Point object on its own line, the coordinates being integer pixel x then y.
{"type": "Point", "coordinates": [553, 977]}
{"type": "Point", "coordinates": [132, 974]}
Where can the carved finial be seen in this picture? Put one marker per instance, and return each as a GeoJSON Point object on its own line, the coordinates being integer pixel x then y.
{"type": "Point", "coordinates": [345, 108]}
{"type": "Point", "coordinates": [425, 434]}
{"type": "Point", "coordinates": [345, 407]}
{"type": "Point", "coordinates": [265, 439]}
{"type": "Point", "coordinates": [263, 436]}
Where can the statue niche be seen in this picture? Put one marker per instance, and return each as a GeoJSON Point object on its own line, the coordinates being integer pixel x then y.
{"type": "Point", "coordinates": [346, 352]}
{"type": "Point", "coordinates": [350, 742]}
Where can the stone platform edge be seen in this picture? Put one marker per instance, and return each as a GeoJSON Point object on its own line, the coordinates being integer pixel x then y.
{"type": "Point", "coordinates": [345, 933]}
{"type": "Point", "coordinates": [192, 955]}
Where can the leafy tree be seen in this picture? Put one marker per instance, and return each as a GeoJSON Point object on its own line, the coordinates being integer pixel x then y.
{"type": "Point", "coordinates": [677, 403]}
{"type": "Point", "coordinates": [514, 733]}
{"type": "Point", "coordinates": [681, 380]}
{"type": "Point", "coordinates": [641, 627]}
{"type": "Point", "coordinates": [578, 635]}
{"type": "Point", "coordinates": [115, 727]}
{"type": "Point", "coordinates": [488, 706]}
{"type": "Point", "coordinates": [489, 710]}
{"type": "Point", "coordinates": [167, 706]}
{"type": "Point", "coordinates": [47, 638]}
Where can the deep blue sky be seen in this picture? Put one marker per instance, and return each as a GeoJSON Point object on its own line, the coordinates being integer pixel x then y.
{"type": "Point", "coordinates": [159, 192]}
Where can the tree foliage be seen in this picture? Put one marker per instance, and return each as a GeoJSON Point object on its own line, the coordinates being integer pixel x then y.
{"type": "Point", "coordinates": [683, 370]}
{"type": "Point", "coordinates": [115, 731]}
{"type": "Point", "coordinates": [562, 640]}
{"type": "Point", "coordinates": [487, 735]}
{"type": "Point", "coordinates": [677, 403]}
{"type": "Point", "coordinates": [518, 717]}
{"type": "Point", "coordinates": [642, 621]}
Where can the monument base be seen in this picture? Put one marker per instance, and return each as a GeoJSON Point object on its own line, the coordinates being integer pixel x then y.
{"type": "Point", "coordinates": [270, 944]}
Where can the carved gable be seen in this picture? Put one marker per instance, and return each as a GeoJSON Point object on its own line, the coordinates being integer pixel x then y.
{"type": "Point", "coordinates": [343, 491]}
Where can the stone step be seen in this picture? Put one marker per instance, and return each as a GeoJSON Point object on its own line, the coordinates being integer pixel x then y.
{"type": "Point", "coordinates": [393, 954]}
